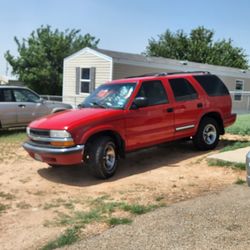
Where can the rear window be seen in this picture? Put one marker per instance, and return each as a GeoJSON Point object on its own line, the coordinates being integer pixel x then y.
{"type": "Point", "coordinates": [212, 85]}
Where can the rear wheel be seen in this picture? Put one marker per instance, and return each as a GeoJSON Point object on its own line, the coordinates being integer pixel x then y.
{"type": "Point", "coordinates": [207, 136]}
{"type": "Point", "coordinates": [101, 157]}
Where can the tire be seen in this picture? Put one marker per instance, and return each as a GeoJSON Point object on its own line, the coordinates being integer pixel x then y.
{"type": "Point", "coordinates": [207, 136]}
{"type": "Point", "coordinates": [101, 157]}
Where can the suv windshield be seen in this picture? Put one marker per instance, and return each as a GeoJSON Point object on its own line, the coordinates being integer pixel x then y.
{"type": "Point", "coordinates": [110, 96]}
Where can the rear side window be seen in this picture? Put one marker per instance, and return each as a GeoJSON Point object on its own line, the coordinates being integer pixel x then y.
{"type": "Point", "coordinates": [154, 92]}
{"type": "Point", "coordinates": [212, 85]}
{"type": "Point", "coordinates": [6, 95]}
{"type": "Point", "coordinates": [182, 89]}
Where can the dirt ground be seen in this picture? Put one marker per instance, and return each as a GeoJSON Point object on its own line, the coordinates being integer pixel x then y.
{"type": "Point", "coordinates": [32, 193]}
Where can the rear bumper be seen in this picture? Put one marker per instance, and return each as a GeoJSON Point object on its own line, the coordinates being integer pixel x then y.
{"type": "Point", "coordinates": [248, 168]}
{"type": "Point", "coordinates": [54, 155]}
{"type": "Point", "coordinates": [229, 120]}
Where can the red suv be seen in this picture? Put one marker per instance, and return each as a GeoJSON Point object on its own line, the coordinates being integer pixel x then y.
{"type": "Point", "coordinates": [130, 114]}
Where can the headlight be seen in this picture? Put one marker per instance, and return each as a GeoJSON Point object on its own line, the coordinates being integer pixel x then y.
{"type": "Point", "coordinates": [28, 131]}
{"type": "Point", "coordinates": [59, 134]}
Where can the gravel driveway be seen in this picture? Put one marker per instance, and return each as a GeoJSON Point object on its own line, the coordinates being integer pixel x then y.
{"type": "Point", "coordinates": [216, 221]}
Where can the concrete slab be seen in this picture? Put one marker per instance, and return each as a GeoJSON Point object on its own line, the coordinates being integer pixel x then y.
{"type": "Point", "coordinates": [238, 155]}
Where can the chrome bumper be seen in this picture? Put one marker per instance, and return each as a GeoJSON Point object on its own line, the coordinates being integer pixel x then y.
{"type": "Point", "coordinates": [49, 150]}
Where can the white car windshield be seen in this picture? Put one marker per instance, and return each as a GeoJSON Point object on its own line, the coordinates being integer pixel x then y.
{"type": "Point", "coordinates": [113, 96]}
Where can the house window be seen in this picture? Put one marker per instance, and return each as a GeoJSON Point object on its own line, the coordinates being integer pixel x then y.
{"type": "Point", "coordinates": [85, 80]}
{"type": "Point", "coordinates": [239, 87]}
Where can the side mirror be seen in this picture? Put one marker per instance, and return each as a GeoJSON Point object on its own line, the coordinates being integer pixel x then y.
{"type": "Point", "coordinates": [139, 102]}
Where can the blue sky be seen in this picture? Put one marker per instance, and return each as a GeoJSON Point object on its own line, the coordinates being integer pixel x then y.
{"type": "Point", "coordinates": [123, 25]}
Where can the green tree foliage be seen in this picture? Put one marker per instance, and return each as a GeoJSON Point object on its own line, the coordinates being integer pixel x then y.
{"type": "Point", "coordinates": [40, 61]}
{"type": "Point", "coordinates": [198, 46]}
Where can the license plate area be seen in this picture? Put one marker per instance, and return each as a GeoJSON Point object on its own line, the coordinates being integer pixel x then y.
{"type": "Point", "coordinates": [38, 157]}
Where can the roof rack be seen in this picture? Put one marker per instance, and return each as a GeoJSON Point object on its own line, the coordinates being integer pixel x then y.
{"type": "Point", "coordinates": [170, 73]}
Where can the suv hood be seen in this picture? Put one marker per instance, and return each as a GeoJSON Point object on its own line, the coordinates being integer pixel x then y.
{"type": "Point", "coordinates": [69, 119]}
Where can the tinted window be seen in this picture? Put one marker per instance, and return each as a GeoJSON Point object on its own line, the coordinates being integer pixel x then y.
{"type": "Point", "coordinates": [6, 95]}
{"type": "Point", "coordinates": [183, 90]}
{"type": "Point", "coordinates": [212, 85]}
{"type": "Point", "coordinates": [154, 92]}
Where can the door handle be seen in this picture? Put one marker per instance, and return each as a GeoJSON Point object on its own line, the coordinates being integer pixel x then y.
{"type": "Point", "coordinates": [170, 110]}
{"type": "Point", "coordinates": [21, 105]}
{"type": "Point", "coordinates": [199, 105]}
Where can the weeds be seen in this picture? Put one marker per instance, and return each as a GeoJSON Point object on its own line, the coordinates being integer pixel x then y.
{"type": "Point", "coordinates": [113, 221]}
{"type": "Point", "coordinates": [235, 145]}
{"type": "Point", "coordinates": [240, 181]}
{"type": "Point", "coordinates": [69, 237]}
{"type": "Point", "coordinates": [3, 207]}
{"type": "Point", "coordinates": [241, 126]}
{"type": "Point", "coordinates": [138, 209]}
{"type": "Point", "coordinates": [7, 196]}
{"type": "Point", "coordinates": [221, 163]}
{"type": "Point", "coordinates": [23, 205]}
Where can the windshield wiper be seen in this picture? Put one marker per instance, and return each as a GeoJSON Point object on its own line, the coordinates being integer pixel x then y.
{"type": "Point", "coordinates": [96, 104]}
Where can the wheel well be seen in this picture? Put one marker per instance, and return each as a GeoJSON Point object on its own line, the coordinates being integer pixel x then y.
{"type": "Point", "coordinates": [115, 136]}
{"type": "Point", "coordinates": [217, 117]}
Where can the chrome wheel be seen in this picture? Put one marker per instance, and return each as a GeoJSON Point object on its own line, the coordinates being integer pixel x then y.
{"type": "Point", "coordinates": [209, 134]}
{"type": "Point", "coordinates": [109, 158]}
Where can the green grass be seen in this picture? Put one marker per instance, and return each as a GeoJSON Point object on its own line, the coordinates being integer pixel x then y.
{"type": "Point", "coordinates": [221, 163]}
{"type": "Point", "coordinates": [241, 126]}
{"type": "Point", "coordinates": [113, 221]}
{"type": "Point", "coordinates": [69, 237]}
{"type": "Point", "coordinates": [12, 136]}
{"type": "Point", "coordinates": [138, 209]}
{"type": "Point", "coordinates": [240, 181]}
{"type": "Point", "coordinates": [236, 145]}
{"type": "Point", "coordinates": [101, 210]}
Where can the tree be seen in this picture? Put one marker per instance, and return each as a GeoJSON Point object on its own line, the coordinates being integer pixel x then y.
{"type": "Point", "coordinates": [40, 61]}
{"type": "Point", "coordinates": [198, 46]}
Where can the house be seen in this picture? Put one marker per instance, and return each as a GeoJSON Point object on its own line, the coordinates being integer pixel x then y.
{"type": "Point", "coordinates": [88, 68]}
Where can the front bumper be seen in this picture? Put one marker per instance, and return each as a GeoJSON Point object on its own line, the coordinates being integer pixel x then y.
{"type": "Point", "coordinates": [55, 155]}
{"type": "Point", "coordinates": [248, 168]}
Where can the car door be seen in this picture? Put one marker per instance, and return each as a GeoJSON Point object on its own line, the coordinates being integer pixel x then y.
{"type": "Point", "coordinates": [153, 123]}
{"type": "Point", "coordinates": [8, 108]}
{"type": "Point", "coordinates": [188, 107]}
{"type": "Point", "coordinates": [29, 106]}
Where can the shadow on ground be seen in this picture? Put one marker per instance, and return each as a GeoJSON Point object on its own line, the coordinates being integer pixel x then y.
{"type": "Point", "coordinates": [168, 155]}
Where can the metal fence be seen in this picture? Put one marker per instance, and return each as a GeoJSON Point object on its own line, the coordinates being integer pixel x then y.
{"type": "Point", "coordinates": [240, 101]}
{"type": "Point", "coordinates": [52, 98]}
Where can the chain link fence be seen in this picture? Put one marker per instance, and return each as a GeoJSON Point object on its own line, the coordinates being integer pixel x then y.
{"type": "Point", "coordinates": [240, 101]}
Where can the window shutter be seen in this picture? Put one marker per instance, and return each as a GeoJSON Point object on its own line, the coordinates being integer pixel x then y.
{"type": "Point", "coordinates": [78, 76]}
{"type": "Point", "coordinates": [92, 80]}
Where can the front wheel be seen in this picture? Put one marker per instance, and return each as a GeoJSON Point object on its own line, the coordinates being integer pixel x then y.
{"type": "Point", "coordinates": [207, 136]}
{"type": "Point", "coordinates": [101, 157]}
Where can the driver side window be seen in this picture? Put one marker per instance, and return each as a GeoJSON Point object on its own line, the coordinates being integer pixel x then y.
{"type": "Point", "coordinates": [154, 92]}
{"type": "Point", "coordinates": [23, 95]}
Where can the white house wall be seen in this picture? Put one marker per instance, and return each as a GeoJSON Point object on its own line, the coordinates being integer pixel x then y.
{"type": "Point", "coordinates": [84, 60]}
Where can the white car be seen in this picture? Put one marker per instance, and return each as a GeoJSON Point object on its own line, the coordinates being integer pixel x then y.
{"type": "Point", "coordinates": [19, 106]}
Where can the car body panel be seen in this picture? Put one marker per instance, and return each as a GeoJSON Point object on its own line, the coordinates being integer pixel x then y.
{"type": "Point", "coordinates": [17, 112]}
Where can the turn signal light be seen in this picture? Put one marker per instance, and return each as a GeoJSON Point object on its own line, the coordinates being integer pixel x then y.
{"type": "Point", "coordinates": [62, 143]}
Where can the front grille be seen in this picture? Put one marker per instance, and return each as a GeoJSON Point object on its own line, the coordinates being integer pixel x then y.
{"type": "Point", "coordinates": [39, 133]}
